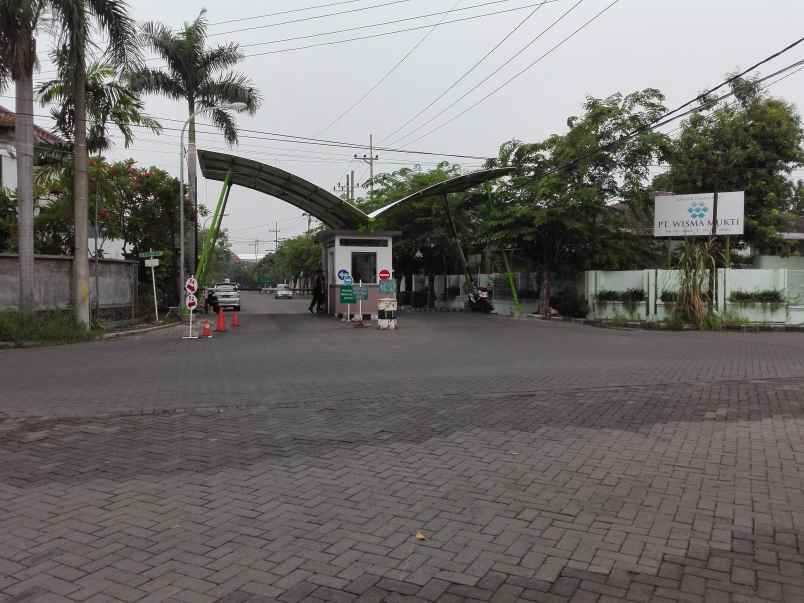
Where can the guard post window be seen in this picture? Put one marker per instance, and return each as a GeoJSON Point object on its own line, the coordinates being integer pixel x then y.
{"type": "Point", "coordinates": [364, 267]}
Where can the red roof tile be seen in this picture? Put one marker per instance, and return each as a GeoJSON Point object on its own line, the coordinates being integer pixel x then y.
{"type": "Point", "coordinates": [9, 118]}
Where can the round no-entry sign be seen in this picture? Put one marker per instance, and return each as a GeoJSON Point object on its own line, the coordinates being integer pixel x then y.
{"type": "Point", "coordinates": [191, 301]}
{"type": "Point", "coordinates": [191, 286]}
{"type": "Point", "coordinates": [385, 274]}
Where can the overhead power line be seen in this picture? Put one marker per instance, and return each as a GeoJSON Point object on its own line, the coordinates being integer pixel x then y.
{"type": "Point", "coordinates": [287, 138]}
{"type": "Point", "coordinates": [388, 73]}
{"type": "Point", "coordinates": [312, 18]}
{"type": "Point", "coordinates": [284, 12]}
{"type": "Point", "coordinates": [470, 70]}
{"type": "Point", "coordinates": [391, 22]}
{"type": "Point", "coordinates": [523, 71]}
{"type": "Point", "coordinates": [674, 115]}
{"type": "Point", "coordinates": [399, 31]}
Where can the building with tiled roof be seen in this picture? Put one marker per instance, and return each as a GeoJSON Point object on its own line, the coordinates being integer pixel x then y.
{"type": "Point", "coordinates": [8, 155]}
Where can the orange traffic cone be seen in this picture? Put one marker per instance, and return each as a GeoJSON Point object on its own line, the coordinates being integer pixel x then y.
{"type": "Point", "coordinates": [206, 331]}
{"type": "Point", "coordinates": [221, 326]}
{"type": "Point", "coordinates": [235, 320]}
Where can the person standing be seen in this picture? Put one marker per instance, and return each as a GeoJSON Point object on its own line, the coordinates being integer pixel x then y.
{"type": "Point", "coordinates": [318, 293]}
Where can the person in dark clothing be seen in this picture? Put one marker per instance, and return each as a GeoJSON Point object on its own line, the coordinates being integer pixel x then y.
{"type": "Point", "coordinates": [318, 293]}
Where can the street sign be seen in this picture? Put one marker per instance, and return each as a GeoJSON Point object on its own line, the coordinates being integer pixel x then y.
{"type": "Point", "coordinates": [152, 263]}
{"type": "Point", "coordinates": [385, 274]}
{"type": "Point", "coordinates": [191, 286]}
{"type": "Point", "coordinates": [348, 294]}
{"type": "Point", "coordinates": [347, 280]}
{"type": "Point", "coordinates": [191, 302]}
{"type": "Point", "coordinates": [361, 292]}
{"type": "Point", "coordinates": [151, 254]}
{"type": "Point", "coordinates": [342, 274]}
{"type": "Point", "coordinates": [387, 287]}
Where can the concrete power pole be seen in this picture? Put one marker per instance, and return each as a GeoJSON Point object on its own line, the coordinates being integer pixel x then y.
{"type": "Point", "coordinates": [370, 159]}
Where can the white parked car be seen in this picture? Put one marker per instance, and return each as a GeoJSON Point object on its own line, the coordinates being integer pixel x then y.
{"type": "Point", "coordinates": [224, 295]}
{"type": "Point", "coordinates": [283, 292]}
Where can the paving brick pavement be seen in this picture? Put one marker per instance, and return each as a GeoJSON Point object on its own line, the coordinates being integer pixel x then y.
{"type": "Point", "coordinates": [612, 486]}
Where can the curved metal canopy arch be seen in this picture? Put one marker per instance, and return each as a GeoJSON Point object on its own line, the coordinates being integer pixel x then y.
{"type": "Point", "coordinates": [458, 184]}
{"type": "Point", "coordinates": [323, 205]}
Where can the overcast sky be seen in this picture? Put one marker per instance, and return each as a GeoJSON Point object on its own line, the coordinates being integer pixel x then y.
{"type": "Point", "coordinates": [680, 47]}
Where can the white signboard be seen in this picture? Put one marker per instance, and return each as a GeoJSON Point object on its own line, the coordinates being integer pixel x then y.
{"type": "Point", "coordinates": [151, 263]}
{"type": "Point", "coordinates": [691, 215]}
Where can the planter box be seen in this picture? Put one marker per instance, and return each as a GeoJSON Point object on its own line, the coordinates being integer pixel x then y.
{"type": "Point", "coordinates": [759, 312]}
{"type": "Point", "coordinates": [611, 310]}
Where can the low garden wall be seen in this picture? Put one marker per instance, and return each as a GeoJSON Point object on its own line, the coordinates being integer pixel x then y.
{"type": "Point", "coordinates": [763, 296]}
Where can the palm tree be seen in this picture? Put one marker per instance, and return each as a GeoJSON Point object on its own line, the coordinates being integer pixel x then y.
{"type": "Point", "coordinates": [18, 23]}
{"type": "Point", "coordinates": [109, 102]}
{"type": "Point", "coordinates": [200, 77]}
{"type": "Point", "coordinates": [76, 20]}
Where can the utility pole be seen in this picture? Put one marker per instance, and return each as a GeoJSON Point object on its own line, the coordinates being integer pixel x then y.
{"type": "Point", "coordinates": [370, 159]}
{"type": "Point", "coordinates": [309, 221]}
{"type": "Point", "coordinates": [349, 189]}
{"type": "Point", "coordinates": [276, 236]}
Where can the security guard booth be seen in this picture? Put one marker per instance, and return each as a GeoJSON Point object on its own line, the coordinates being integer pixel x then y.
{"type": "Point", "coordinates": [363, 256]}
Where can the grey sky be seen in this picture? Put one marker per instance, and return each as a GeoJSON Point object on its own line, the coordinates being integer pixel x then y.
{"type": "Point", "coordinates": [680, 47]}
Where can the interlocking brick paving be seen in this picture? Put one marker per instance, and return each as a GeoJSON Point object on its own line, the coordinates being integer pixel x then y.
{"type": "Point", "coordinates": [539, 462]}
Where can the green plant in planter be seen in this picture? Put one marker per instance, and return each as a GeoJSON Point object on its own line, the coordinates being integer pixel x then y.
{"type": "Point", "coordinates": [669, 297]}
{"type": "Point", "coordinates": [768, 296]}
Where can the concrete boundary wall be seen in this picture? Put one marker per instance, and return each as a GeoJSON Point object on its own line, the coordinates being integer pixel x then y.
{"type": "Point", "coordinates": [117, 282]}
{"type": "Point", "coordinates": [654, 282]}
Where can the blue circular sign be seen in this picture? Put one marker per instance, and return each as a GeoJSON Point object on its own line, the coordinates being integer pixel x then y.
{"type": "Point", "coordinates": [347, 280]}
{"type": "Point", "coordinates": [342, 274]}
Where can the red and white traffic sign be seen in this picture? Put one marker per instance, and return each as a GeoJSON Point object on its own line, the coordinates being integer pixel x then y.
{"type": "Point", "coordinates": [191, 302]}
{"type": "Point", "coordinates": [191, 286]}
{"type": "Point", "coordinates": [385, 274]}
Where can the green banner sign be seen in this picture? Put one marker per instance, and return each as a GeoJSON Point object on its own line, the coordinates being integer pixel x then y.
{"type": "Point", "coordinates": [151, 254]}
{"type": "Point", "coordinates": [361, 292]}
{"type": "Point", "coordinates": [348, 295]}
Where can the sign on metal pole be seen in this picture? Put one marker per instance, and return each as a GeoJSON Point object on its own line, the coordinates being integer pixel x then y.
{"type": "Point", "coordinates": [348, 294]}
{"type": "Point", "coordinates": [385, 274]}
{"type": "Point", "coordinates": [347, 280]}
{"type": "Point", "coordinates": [151, 254]}
{"type": "Point", "coordinates": [387, 287]}
{"type": "Point", "coordinates": [191, 303]}
{"type": "Point", "coordinates": [361, 292]}
{"type": "Point", "coordinates": [342, 274]}
{"type": "Point", "coordinates": [191, 286]}
{"type": "Point", "coordinates": [151, 263]}
{"type": "Point", "coordinates": [694, 215]}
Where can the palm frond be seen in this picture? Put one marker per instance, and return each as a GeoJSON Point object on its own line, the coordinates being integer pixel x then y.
{"type": "Point", "coordinates": [220, 58]}
{"type": "Point", "coordinates": [225, 122]}
{"type": "Point", "coordinates": [112, 17]}
{"type": "Point", "coordinates": [155, 81]}
{"type": "Point", "coordinates": [230, 88]}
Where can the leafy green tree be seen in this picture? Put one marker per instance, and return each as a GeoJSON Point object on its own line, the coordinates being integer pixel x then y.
{"type": "Point", "coordinates": [558, 206]}
{"type": "Point", "coordinates": [426, 244]}
{"type": "Point", "coordinates": [199, 76]}
{"type": "Point", "coordinates": [751, 144]}
{"type": "Point", "coordinates": [76, 21]}
{"type": "Point", "coordinates": [19, 20]}
{"type": "Point", "coordinates": [295, 258]}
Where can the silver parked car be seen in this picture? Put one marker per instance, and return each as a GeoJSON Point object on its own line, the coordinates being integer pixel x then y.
{"type": "Point", "coordinates": [225, 295]}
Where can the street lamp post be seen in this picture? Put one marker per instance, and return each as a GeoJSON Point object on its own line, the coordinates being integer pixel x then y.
{"type": "Point", "coordinates": [227, 106]}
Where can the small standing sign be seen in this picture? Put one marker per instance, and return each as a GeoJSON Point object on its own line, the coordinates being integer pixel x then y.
{"type": "Point", "coordinates": [152, 263]}
{"type": "Point", "coordinates": [191, 302]}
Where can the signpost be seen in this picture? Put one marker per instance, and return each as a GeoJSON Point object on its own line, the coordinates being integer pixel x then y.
{"type": "Point", "coordinates": [191, 302]}
{"type": "Point", "coordinates": [385, 274]}
{"type": "Point", "coordinates": [387, 287]}
{"type": "Point", "coordinates": [342, 274]}
{"type": "Point", "coordinates": [699, 215]}
{"type": "Point", "coordinates": [153, 263]}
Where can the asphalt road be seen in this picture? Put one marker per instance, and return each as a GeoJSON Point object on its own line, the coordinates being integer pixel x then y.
{"type": "Point", "coordinates": [297, 457]}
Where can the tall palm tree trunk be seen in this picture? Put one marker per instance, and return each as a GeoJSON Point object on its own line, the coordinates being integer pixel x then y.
{"type": "Point", "coordinates": [193, 182]}
{"type": "Point", "coordinates": [23, 135]}
{"type": "Point", "coordinates": [81, 197]}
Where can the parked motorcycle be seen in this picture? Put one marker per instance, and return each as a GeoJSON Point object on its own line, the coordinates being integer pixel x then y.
{"type": "Point", "coordinates": [479, 300]}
